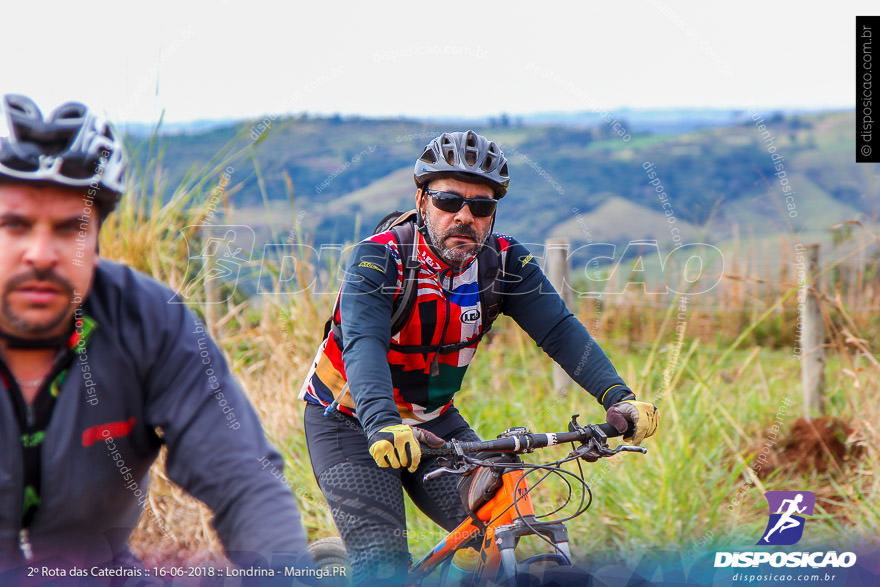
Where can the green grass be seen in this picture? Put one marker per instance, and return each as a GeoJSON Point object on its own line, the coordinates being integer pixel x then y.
{"type": "Point", "coordinates": [679, 493]}
{"type": "Point", "coordinates": [690, 491]}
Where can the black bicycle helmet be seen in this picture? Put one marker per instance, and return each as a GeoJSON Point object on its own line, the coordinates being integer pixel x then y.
{"type": "Point", "coordinates": [466, 156]}
{"type": "Point", "coordinates": [72, 147]}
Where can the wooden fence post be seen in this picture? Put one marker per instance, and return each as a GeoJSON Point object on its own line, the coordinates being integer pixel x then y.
{"type": "Point", "coordinates": [212, 248]}
{"type": "Point", "coordinates": [558, 272]}
{"type": "Point", "coordinates": [212, 296]}
{"type": "Point", "coordinates": [812, 336]}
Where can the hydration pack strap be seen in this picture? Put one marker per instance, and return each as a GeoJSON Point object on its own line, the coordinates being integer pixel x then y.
{"type": "Point", "coordinates": [407, 240]}
{"type": "Point", "coordinates": [402, 227]}
{"type": "Point", "coordinates": [433, 348]}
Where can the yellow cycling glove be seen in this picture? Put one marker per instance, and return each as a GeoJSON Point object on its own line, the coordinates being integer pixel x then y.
{"type": "Point", "coordinates": [398, 446]}
{"type": "Point", "coordinates": [636, 420]}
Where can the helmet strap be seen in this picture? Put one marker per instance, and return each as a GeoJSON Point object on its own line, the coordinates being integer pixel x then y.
{"type": "Point", "coordinates": [421, 226]}
{"type": "Point", "coordinates": [420, 220]}
{"type": "Point", "coordinates": [33, 344]}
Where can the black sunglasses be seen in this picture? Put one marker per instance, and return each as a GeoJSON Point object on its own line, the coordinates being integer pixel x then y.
{"type": "Point", "coordinates": [452, 202]}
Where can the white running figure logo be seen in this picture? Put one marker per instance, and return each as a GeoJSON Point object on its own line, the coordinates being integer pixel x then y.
{"type": "Point", "coordinates": [785, 521]}
{"type": "Point", "coordinates": [220, 261]}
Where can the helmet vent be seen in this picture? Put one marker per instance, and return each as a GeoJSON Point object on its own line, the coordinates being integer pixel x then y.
{"type": "Point", "coordinates": [428, 157]}
{"type": "Point", "coordinates": [68, 114]}
{"type": "Point", "coordinates": [447, 146]}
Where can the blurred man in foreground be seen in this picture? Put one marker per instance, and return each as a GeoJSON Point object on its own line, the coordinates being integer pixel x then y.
{"type": "Point", "coordinates": [101, 366]}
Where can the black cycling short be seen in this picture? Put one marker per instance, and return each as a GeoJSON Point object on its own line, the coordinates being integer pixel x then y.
{"type": "Point", "coordinates": [366, 501]}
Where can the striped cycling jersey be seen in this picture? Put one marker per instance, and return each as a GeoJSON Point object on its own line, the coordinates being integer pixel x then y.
{"type": "Point", "coordinates": [382, 386]}
{"type": "Point", "coordinates": [447, 310]}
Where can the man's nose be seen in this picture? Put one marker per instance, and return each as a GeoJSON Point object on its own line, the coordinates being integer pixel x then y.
{"type": "Point", "coordinates": [41, 250]}
{"type": "Point", "coordinates": [464, 216]}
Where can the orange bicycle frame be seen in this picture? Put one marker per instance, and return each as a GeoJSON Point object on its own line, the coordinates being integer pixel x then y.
{"type": "Point", "coordinates": [499, 511]}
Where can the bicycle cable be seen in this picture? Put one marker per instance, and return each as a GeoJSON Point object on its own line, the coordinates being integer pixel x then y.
{"type": "Point", "coordinates": [554, 468]}
{"type": "Point", "coordinates": [551, 468]}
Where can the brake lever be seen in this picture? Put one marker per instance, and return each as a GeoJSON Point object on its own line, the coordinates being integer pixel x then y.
{"type": "Point", "coordinates": [591, 451]}
{"type": "Point", "coordinates": [463, 468]}
{"type": "Point", "coordinates": [441, 470]}
{"type": "Point", "coordinates": [630, 448]}
{"type": "Point", "coordinates": [597, 448]}
{"type": "Point", "coordinates": [458, 464]}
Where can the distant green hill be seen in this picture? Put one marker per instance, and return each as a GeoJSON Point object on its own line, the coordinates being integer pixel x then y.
{"type": "Point", "coordinates": [587, 184]}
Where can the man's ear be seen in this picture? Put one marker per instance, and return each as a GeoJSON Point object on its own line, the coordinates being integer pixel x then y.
{"type": "Point", "coordinates": [420, 198]}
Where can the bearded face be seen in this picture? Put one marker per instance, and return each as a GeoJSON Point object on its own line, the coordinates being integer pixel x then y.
{"type": "Point", "coordinates": [48, 255]}
{"type": "Point", "coordinates": [457, 236]}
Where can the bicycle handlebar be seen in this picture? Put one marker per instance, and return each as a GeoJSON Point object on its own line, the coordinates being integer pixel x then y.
{"type": "Point", "coordinates": [524, 442]}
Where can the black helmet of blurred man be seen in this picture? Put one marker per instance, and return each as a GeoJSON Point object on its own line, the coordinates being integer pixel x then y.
{"type": "Point", "coordinates": [72, 147]}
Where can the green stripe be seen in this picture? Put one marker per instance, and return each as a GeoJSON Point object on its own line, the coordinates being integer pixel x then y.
{"type": "Point", "coordinates": [32, 440]}
{"type": "Point", "coordinates": [442, 387]}
{"type": "Point", "coordinates": [85, 332]}
{"type": "Point", "coordinates": [31, 499]}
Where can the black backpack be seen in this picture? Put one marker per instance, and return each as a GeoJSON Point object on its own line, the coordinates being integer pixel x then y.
{"type": "Point", "coordinates": [403, 226]}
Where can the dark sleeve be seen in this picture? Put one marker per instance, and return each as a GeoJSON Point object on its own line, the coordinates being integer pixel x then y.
{"type": "Point", "coordinates": [217, 450]}
{"type": "Point", "coordinates": [365, 307]}
{"type": "Point", "coordinates": [533, 303]}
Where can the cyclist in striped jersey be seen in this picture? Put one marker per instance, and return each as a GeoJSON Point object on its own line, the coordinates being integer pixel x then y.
{"type": "Point", "coordinates": [387, 390]}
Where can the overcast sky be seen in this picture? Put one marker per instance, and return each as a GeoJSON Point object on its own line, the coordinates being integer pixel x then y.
{"type": "Point", "coordinates": [226, 59]}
